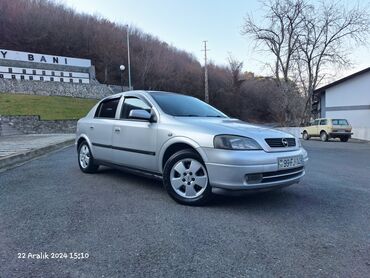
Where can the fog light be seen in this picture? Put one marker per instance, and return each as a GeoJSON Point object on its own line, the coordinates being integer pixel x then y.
{"type": "Point", "coordinates": [253, 178]}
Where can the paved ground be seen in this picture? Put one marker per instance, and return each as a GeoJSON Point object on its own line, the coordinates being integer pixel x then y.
{"type": "Point", "coordinates": [17, 149]}
{"type": "Point", "coordinates": [11, 145]}
{"type": "Point", "coordinates": [130, 227]}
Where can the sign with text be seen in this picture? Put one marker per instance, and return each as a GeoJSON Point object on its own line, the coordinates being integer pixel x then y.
{"type": "Point", "coordinates": [42, 58]}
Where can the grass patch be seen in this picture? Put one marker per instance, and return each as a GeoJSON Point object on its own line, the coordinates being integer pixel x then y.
{"type": "Point", "coordinates": [48, 107]}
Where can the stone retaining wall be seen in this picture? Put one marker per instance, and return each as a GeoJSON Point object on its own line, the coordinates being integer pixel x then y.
{"type": "Point", "coordinates": [95, 91]}
{"type": "Point", "coordinates": [33, 125]}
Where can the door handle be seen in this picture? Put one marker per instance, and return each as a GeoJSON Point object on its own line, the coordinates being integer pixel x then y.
{"type": "Point", "coordinates": [117, 129]}
{"type": "Point", "coordinates": [91, 127]}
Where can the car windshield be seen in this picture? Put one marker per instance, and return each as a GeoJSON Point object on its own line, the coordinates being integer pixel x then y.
{"type": "Point", "coordinates": [185, 106]}
{"type": "Point", "coordinates": [339, 122]}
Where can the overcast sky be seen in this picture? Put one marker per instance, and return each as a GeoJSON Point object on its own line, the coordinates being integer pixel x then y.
{"type": "Point", "coordinates": [186, 23]}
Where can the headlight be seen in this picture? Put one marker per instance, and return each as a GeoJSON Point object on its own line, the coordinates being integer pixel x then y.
{"type": "Point", "coordinates": [233, 142]}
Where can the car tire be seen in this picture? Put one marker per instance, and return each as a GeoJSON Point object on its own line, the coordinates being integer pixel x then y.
{"type": "Point", "coordinates": [344, 139]}
{"type": "Point", "coordinates": [324, 136]}
{"type": "Point", "coordinates": [186, 179]}
{"type": "Point", "coordinates": [85, 159]}
{"type": "Point", "coordinates": [305, 135]}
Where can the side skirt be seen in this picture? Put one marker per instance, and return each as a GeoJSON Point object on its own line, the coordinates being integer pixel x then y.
{"type": "Point", "coordinates": [135, 171]}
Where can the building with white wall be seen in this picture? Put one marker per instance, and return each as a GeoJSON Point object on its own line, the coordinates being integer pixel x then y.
{"type": "Point", "coordinates": [18, 65]}
{"type": "Point", "coordinates": [347, 98]}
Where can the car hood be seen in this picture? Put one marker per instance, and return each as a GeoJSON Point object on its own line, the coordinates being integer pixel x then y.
{"type": "Point", "coordinates": [217, 126]}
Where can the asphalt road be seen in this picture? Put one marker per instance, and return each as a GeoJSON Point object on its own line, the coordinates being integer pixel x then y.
{"type": "Point", "coordinates": [131, 228]}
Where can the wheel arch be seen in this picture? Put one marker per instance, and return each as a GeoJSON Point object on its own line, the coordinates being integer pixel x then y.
{"type": "Point", "coordinates": [81, 139]}
{"type": "Point", "coordinates": [176, 144]}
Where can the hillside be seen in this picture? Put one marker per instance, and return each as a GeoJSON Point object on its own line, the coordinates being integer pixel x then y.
{"type": "Point", "coordinates": [48, 107]}
{"type": "Point", "coordinates": [46, 26]}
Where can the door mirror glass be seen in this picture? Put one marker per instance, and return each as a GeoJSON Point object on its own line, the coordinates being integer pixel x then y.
{"type": "Point", "coordinates": [140, 114]}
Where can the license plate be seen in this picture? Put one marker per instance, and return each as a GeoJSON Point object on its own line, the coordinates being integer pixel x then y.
{"type": "Point", "coordinates": [290, 162]}
{"type": "Point", "coordinates": [341, 130]}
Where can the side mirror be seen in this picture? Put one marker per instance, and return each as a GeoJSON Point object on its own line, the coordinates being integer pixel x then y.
{"type": "Point", "coordinates": [140, 114]}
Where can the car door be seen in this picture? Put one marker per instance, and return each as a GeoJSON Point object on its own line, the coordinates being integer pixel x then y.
{"type": "Point", "coordinates": [101, 128]}
{"type": "Point", "coordinates": [315, 128]}
{"type": "Point", "coordinates": [322, 125]}
{"type": "Point", "coordinates": [134, 140]}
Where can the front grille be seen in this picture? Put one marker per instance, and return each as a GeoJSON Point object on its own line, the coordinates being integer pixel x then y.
{"type": "Point", "coordinates": [279, 142]}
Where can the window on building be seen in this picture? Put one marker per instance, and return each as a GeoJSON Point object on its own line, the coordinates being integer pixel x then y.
{"type": "Point", "coordinates": [61, 80]}
{"type": "Point", "coordinates": [34, 72]}
{"type": "Point", "coordinates": [43, 72]}
{"type": "Point", "coordinates": [1, 75]}
{"type": "Point", "coordinates": [70, 74]}
{"type": "Point", "coordinates": [10, 70]}
{"type": "Point", "coordinates": [30, 77]}
{"type": "Point", "coordinates": [13, 76]}
{"type": "Point", "coordinates": [41, 78]}
{"type": "Point", "coordinates": [24, 71]}
{"type": "Point", "coordinates": [22, 77]}
{"type": "Point", "coordinates": [70, 80]}
{"type": "Point", "coordinates": [53, 73]}
{"type": "Point", "coordinates": [62, 74]}
{"type": "Point", "coordinates": [107, 109]}
{"type": "Point", "coordinates": [80, 81]}
{"type": "Point", "coordinates": [51, 78]}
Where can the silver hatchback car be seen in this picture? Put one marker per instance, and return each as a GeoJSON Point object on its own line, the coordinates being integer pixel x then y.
{"type": "Point", "coordinates": [188, 143]}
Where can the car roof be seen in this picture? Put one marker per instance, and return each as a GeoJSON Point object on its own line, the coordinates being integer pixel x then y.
{"type": "Point", "coordinates": [134, 92]}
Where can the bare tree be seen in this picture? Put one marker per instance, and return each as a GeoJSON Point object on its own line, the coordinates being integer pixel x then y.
{"type": "Point", "coordinates": [326, 35]}
{"type": "Point", "coordinates": [236, 78]}
{"type": "Point", "coordinates": [279, 34]}
{"type": "Point", "coordinates": [305, 40]}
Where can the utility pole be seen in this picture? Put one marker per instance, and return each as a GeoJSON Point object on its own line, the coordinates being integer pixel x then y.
{"type": "Point", "coordinates": [128, 56]}
{"type": "Point", "coordinates": [206, 94]}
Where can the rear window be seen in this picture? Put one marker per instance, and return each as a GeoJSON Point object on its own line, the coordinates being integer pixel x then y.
{"type": "Point", "coordinates": [339, 122]}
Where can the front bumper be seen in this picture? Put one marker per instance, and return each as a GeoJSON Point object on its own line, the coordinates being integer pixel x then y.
{"type": "Point", "coordinates": [234, 169]}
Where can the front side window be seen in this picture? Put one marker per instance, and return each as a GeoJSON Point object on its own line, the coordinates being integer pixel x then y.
{"type": "Point", "coordinates": [316, 122]}
{"type": "Point", "coordinates": [132, 103]}
{"type": "Point", "coordinates": [107, 109]}
{"type": "Point", "coordinates": [323, 122]}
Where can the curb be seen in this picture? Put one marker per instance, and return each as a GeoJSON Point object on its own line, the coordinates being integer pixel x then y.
{"type": "Point", "coordinates": [20, 158]}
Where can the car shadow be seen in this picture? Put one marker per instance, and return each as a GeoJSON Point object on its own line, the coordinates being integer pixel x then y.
{"type": "Point", "coordinates": [270, 198]}
{"type": "Point", "coordinates": [221, 198]}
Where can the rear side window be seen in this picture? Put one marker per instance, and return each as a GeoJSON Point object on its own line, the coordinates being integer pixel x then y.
{"type": "Point", "coordinates": [107, 109]}
{"type": "Point", "coordinates": [323, 122]}
{"type": "Point", "coordinates": [339, 122]}
{"type": "Point", "coordinates": [316, 122]}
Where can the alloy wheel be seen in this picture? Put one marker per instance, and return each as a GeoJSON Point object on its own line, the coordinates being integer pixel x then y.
{"type": "Point", "coordinates": [188, 178]}
{"type": "Point", "coordinates": [84, 156]}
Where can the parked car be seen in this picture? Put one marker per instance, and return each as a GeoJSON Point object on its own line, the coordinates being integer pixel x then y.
{"type": "Point", "coordinates": [326, 128]}
{"type": "Point", "coordinates": [192, 146]}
